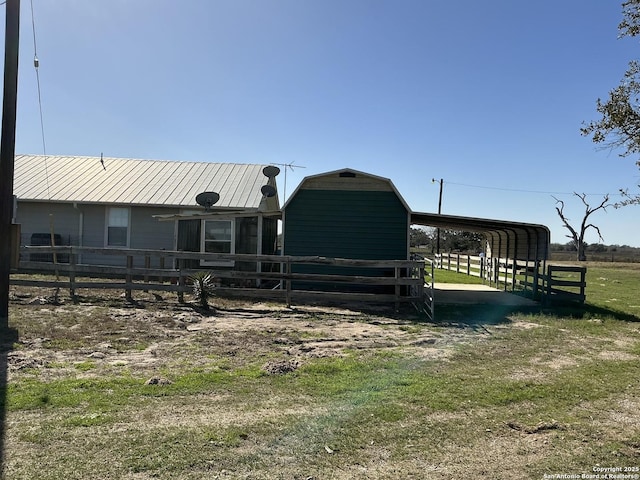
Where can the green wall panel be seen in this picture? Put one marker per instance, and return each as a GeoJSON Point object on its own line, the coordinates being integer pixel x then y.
{"type": "Point", "coordinates": [346, 224]}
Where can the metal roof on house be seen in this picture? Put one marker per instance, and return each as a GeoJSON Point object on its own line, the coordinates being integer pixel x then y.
{"type": "Point", "coordinates": [136, 182]}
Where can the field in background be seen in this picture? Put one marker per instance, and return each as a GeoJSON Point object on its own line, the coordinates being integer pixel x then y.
{"type": "Point", "coordinates": [106, 389]}
{"type": "Point", "coordinates": [609, 257]}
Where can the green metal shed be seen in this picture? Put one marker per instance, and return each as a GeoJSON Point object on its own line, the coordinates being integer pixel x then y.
{"type": "Point", "coordinates": [346, 214]}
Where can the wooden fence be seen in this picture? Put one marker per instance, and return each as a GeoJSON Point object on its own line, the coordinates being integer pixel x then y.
{"type": "Point", "coordinates": [263, 276]}
{"type": "Point", "coordinates": [562, 287]}
{"type": "Point", "coordinates": [525, 277]}
{"type": "Point", "coordinates": [467, 264]}
{"type": "Point", "coordinates": [427, 306]}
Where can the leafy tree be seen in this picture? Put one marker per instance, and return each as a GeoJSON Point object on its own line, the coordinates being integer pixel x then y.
{"type": "Point", "coordinates": [619, 125]}
{"type": "Point", "coordinates": [460, 241]}
{"type": "Point", "coordinates": [419, 236]}
{"type": "Point", "coordinates": [577, 234]}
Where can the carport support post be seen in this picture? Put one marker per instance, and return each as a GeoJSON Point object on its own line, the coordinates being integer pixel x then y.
{"type": "Point", "coordinates": [439, 211]}
{"type": "Point", "coordinates": [7, 150]}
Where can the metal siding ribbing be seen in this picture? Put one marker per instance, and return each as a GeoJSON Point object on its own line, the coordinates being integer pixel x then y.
{"type": "Point", "coordinates": [521, 241]}
{"type": "Point", "coordinates": [154, 180]}
{"type": "Point", "coordinates": [179, 176]}
{"type": "Point", "coordinates": [201, 176]}
{"type": "Point", "coordinates": [346, 224]}
{"type": "Point", "coordinates": [135, 182]}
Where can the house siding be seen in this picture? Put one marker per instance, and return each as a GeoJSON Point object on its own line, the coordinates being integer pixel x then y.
{"type": "Point", "coordinates": [149, 233]}
{"type": "Point", "coordinates": [37, 217]}
{"type": "Point", "coordinates": [146, 232]}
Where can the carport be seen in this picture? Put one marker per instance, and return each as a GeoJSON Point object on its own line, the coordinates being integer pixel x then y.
{"type": "Point", "coordinates": [505, 243]}
{"type": "Point", "coordinates": [505, 239]}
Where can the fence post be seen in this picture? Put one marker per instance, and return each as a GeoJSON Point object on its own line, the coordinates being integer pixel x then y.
{"type": "Point", "coordinates": [147, 266]}
{"type": "Point", "coordinates": [506, 273]}
{"type": "Point", "coordinates": [129, 279]}
{"type": "Point", "coordinates": [536, 279]}
{"type": "Point", "coordinates": [160, 277]}
{"type": "Point", "coordinates": [288, 281]}
{"type": "Point", "coordinates": [72, 275]}
{"type": "Point", "coordinates": [180, 282]}
{"type": "Point", "coordinates": [468, 264]}
{"type": "Point", "coordinates": [549, 281]}
{"type": "Point", "coordinates": [397, 288]}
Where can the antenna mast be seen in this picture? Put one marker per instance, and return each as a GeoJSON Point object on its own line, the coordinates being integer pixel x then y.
{"type": "Point", "coordinates": [286, 166]}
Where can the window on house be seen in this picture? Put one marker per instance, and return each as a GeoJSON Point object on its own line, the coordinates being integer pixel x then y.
{"type": "Point", "coordinates": [118, 227]}
{"type": "Point", "coordinates": [218, 237]}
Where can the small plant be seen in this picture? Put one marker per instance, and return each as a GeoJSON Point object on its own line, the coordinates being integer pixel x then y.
{"type": "Point", "coordinates": [203, 288]}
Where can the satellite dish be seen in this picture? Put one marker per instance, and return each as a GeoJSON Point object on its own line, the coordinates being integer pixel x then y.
{"type": "Point", "coordinates": [268, 191]}
{"type": "Point", "coordinates": [207, 199]}
{"type": "Point", "coordinates": [271, 171]}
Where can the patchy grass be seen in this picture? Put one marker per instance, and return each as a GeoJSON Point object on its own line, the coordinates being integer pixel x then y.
{"type": "Point", "coordinates": [482, 393]}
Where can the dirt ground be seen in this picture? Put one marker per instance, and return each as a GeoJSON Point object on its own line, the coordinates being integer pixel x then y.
{"type": "Point", "coordinates": [156, 338]}
{"type": "Point", "coordinates": [101, 335]}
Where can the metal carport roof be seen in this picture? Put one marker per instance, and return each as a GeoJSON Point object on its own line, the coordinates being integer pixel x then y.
{"type": "Point", "coordinates": [517, 240]}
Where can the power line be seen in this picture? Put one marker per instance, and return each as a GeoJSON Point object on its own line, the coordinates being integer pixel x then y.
{"type": "Point", "coordinates": [519, 190]}
{"type": "Point", "coordinates": [36, 65]}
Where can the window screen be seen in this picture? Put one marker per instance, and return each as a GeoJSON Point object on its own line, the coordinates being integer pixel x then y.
{"type": "Point", "coordinates": [118, 227]}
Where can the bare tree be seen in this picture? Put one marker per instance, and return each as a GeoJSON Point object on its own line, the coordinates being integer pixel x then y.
{"type": "Point", "coordinates": [577, 236]}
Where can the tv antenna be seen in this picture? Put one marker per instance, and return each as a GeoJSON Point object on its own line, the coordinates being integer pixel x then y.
{"type": "Point", "coordinates": [287, 166]}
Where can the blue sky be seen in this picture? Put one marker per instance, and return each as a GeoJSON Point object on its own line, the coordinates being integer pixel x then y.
{"type": "Point", "coordinates": [489, 96]}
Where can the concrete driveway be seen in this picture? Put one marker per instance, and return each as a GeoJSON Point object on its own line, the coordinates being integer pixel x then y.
{"type": "Point", "coordinates": [458, 293]}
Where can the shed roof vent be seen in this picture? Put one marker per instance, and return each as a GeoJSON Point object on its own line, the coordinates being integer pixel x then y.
{"type": "Point", "coordinates": [347, 175]}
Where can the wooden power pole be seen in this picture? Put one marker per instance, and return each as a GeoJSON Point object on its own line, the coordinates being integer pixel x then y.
{"type": "Point", "coordinates": [8, 150]}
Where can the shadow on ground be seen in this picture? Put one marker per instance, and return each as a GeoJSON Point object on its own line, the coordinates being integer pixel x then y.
{"type": "Point", "coordinates": [479, 316]}
{"type": "Point", "coordinates": [588, 312]}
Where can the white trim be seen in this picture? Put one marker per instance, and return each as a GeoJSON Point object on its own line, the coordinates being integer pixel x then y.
{"type": "Point", "coordinates": [222, 263]}
{"type": "Point", "coordinates": [106, 227]}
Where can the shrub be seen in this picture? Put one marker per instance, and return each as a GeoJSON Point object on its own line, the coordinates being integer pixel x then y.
{"type": "Point", "coordinates": [203, 288]}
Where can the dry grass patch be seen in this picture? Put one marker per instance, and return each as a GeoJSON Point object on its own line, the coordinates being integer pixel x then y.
{"type": "Point", "coordinates": [372, 395]}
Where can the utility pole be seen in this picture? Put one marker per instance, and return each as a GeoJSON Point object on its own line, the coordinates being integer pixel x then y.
{"type": "Point", "coordinates": [7, 151]}
{"type": "Point", "coordinates": [433, 180]}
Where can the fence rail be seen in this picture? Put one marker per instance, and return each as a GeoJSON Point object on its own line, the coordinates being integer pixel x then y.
{"type": "Point", "coordinates": [263, 276]}
{"type": "Point", "coordinates": [548, 283]}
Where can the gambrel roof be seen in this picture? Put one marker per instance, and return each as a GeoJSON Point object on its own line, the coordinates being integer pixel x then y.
{"type": "Point", "coordinates": [348, 179]}
{"type": "Point", "coordinates": [127, 181]}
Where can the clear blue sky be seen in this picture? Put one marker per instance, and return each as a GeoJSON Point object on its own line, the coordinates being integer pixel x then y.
{"type": "Point", "coordinates": [489, 96]}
